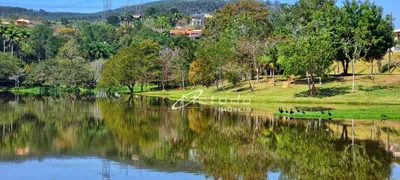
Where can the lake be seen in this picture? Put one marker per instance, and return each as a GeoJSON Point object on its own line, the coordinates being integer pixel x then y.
{"type": "Point", "coordinates": [134, 137]}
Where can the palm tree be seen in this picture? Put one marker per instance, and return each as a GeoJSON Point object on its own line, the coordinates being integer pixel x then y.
{"type": "Point", "coordinates": [23, 35]}
{"type": "Point", "coordinates": [4, 35]}
{"type": "Point", "coordinates": [14, 35]}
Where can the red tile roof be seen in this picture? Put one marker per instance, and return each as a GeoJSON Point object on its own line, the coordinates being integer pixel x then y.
{"type": "Point", "coordinates": [185, 32]}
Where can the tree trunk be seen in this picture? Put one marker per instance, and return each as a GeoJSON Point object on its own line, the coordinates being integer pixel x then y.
{"type": "Point", "coordinates": [12, 49]}
{"type": "Point", "coordinates": [251, 86]}
{"type": "Point", "coordinates": [216, 84]}
{"type": "Point", "coordinates": [338, 69]}
{"type": "Point", "coordinates": [389, 62]}
{"type": "Point", "coordinates": [183, 81]}
{"type": "Point", "coordinates": [4, 46]}
{"type": "Point", "coordinates": [345, 64]}
{"type": "Point", "coordinates": [131, 88]}
{"type": "Point", "coordinates": [258, 75]}
{"type": "Point", "coordinates": [308, 82]}
{"type": "Point", "coordinates": [220, 78]}
{"type": "Point", "coordinates": [163, 86]}
{"type": "Point", "coordinates": [379, 65]}
{"type": "Point", "coordinates": [354, 77]}
{"type": "Point", "coordinates": [372, 69]}
{"type": "Point", "coordinates": [313, 91]}
{"type": "Point", "coordinates": [273, 76]}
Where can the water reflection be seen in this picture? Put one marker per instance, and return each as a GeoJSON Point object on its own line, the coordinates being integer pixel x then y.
{"type": "Point", "coordinates": [143, 133]}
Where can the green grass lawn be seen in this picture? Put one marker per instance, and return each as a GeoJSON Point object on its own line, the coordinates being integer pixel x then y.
{"type": "Point", "coordinates": [384, 91]}
{"type": "Point", "coordinates": [371, 99]}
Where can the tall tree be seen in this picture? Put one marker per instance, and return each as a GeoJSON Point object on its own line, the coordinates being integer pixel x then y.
{"type": "Point", "coordinates": [311, 54]}
{"type": "Point", "coordinates": [246, 18]}
{"type": "Point", "coordinates": [130, 66]}
{"type": "Point", "coordinates": [166, 61]}
{"type": "Point", "coordinates": [9, 66]}
{"type": "Point", "coordinates": [360, 21]}
{"type": "Point", "coordinates": [187, 56]}
{"type": "Point", "coordinates": [41, 35]}
{"type": "Point", "coordinates": [113, 20]}
{"type": "Point", "coordinates": [248, 52]}
{"type": "Point", "coordinates": [271, 55]}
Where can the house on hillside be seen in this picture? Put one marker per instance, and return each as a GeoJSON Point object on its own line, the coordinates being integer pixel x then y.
{"type": "Point", "coordinates": [195, 34]}
{"type": "Point", "coordinates": [199, 19]}
{"type": "Point", "coordinates": [397, 38]}
{"type": "Point", "coordinates": [138, 17]}
{"type": "Point", "coordinates": [22, 22]}
{"type": "Point", "coordinates": [397, 33]}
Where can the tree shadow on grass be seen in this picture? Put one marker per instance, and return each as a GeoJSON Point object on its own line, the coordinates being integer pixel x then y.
{"type": "Point", "coordinates": [373, 88]}
{"type": "Point", "coordinates": [326, 92]}
{"type": "Point", "coordinates": [332, 78]}
{"type": "Point", "coordinates": [241, 86]}
{"type": "Point", "coordinates": [313, 109]}
{"type": "Point", "coordinates": [393, 66]}
{"type": "Point", "coordinates": [243, 89]}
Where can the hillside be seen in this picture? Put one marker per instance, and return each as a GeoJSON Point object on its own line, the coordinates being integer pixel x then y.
{"type": "Point", "coordinates": [185, 6]}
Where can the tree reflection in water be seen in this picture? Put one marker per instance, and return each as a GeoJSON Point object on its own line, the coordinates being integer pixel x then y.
{"type": "Point", "coordinates": [145, 133]}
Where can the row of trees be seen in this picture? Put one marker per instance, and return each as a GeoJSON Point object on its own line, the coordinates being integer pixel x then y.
{"type": "Point", "coordinates": [11, 36]}
{"type": "Point", "coordinates": [243, 41]}
{"type": "Point", "coordinates": [72, 53]}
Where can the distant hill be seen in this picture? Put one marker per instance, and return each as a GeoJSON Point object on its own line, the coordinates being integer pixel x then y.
{"type": "Point", "coordinates": [185, 6]}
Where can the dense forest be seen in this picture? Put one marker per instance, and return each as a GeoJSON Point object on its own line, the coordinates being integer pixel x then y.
{"type": "Point", "coordinates": [185, 6]}
{"type": "Point", "coordinates": [242, 41]}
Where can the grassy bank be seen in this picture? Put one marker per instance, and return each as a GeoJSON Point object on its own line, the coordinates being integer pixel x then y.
{"type": "Point", "coordinates": [335, 90]}
{"type": "Point", "coordinates": [381, 89]}
{"type": "Point", "coordinates": [371, 100]}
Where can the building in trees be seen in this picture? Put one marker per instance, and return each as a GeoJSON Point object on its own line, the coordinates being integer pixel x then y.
{"type": "Point", "coordinates": [397, 39]}
{"type": "Point", "coordinates": [22, 22]}
{"type": "Point", "coordinates": [195, 34]}
{"type": "Point", "coordinates": [198, 19]}
{"type": "Point", "coordinates": [397, 33]}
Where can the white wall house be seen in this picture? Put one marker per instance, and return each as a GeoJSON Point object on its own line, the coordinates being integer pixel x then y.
{"type": "Point", "coordinates": [397, 33]}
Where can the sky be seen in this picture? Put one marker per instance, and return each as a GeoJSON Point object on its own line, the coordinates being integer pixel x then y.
{"type": "Point", "coordinates": [86, 6]}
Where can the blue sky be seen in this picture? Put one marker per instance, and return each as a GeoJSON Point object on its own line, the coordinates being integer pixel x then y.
{"type": "Point", "coordinates": [97, 5]}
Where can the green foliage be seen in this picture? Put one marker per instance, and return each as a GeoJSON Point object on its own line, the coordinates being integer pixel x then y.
{"type": "Point", "coordinates": [60, 72]}
{"type": "Point", "coordinates": [243, 39]}
{"type": "Point", "coordinates": [11, 37]}
{"type": "Point", "coordinates": [162, 22]}
{"type": "Point", "coordinates": [9, 66]}
{"type": "Point", "coordinates": [146, 33]}
{"type": "Point", "coordinates": [245, 18]}
{"type": "Point", "coordinates": [43, 42]}
{"type": "Point", "coordinates": [186, 7]}
{"type": "Point", "coordinates": [64, 21]}
{"type": "Point", "coordinates": [308, 55]}
{"type": "Point", "coordinates": [201, 73]}
{"type": "Point", "coordinates": [113, 20]}
{"type": "Point", "coordinates": [96, 50]}
{"type": "Point", "coordinates": [130, 65]}
{"type": "Point", "coordinates": [69, 50]}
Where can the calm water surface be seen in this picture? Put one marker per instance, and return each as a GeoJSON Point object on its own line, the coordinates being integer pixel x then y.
{"type": "Point", "coordinates": [84, 137]}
